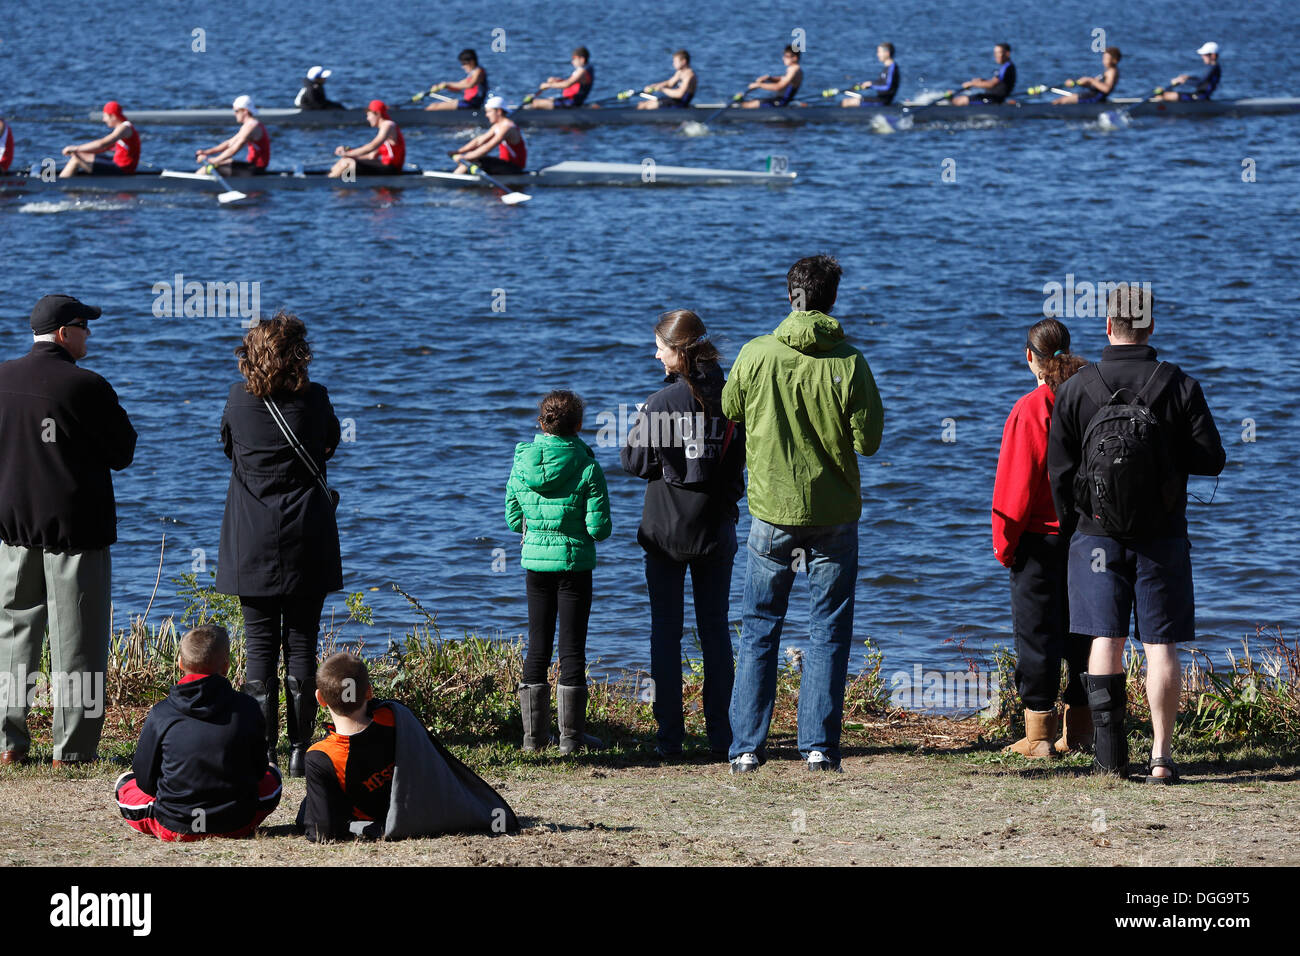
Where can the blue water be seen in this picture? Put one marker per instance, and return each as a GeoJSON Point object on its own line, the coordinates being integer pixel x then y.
{"type": "Point", "coordinates": [940, 281]}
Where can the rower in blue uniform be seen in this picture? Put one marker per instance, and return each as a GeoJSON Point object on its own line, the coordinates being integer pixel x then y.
{"type": "Point", "coordinates": [996, 88]}
{"type": "Point", "coordinates": [1206, 85]}
{"type": "Point", "coordinates": [885, 88]}
{"type": "Point", "coordinates": [1095, 89]}
{"type": "Point", "coordinates": [784, 86]}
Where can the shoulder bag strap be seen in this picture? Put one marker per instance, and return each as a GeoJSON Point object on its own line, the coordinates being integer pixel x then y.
{"type": "Point", "coordinates": [278, 417]}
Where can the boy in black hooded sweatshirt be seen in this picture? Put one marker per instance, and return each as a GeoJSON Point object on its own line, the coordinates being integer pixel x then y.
{"type": "Point", "coordinates": [200, 768]}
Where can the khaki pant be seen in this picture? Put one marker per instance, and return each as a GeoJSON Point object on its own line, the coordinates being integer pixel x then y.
{"type": "Point", "coordinates": [69, 593]}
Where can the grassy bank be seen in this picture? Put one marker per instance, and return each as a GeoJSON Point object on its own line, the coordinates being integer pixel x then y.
{"type": "Point", "coordinates": [917, 788]}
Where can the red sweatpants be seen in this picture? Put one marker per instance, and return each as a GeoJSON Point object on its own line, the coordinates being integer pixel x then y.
{"type": "Point", "coordinates": [137, 809]}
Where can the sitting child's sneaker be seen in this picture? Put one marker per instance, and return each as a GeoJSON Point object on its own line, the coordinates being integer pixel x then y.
{"type": "Point", "coordinates": [819, 761]}
{"type": "Point", "coordinates": [745, 763]}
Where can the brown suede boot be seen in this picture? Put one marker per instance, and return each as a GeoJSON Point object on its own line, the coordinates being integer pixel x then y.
{"type": "Point", "coordinates": [1076, 731]}
{"type": "Point", "coordinates": [1040, 730]}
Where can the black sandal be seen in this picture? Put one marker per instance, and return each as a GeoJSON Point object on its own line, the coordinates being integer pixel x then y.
{"type": "Point", "coordinates": [1166, 762]}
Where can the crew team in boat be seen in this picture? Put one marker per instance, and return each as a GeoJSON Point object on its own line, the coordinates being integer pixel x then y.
{"type": "Point", "coordinates": [573, 89]}
{"type": "Point", "coordinates": [511, 151]}
{"type": "Point", "coordinates": [252, 134]}
{"type": "Point", "coordinates": [884, 88]}
{"type": "Point", "coordinates": [676, 91]}
{"type": "Point", "coordinates": [784, 86]}
{"type": "Point", "coordinates": [1206, 85]}
{"type": "Point", "coordinates": [384, 155]}
{"type": "Point", "coordinates": [473, 87]}
{"type": "Point", "coordinates": [1097, 87]}
{"type": "Point", "coordinates": [123, 141]}
{"type": "Point", "coordinates": [997, 87]}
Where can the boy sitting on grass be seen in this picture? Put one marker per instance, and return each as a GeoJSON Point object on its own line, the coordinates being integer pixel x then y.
{"type": "Point", "coordinates": [200, 767]}
{"type": "Point", "coordinates": [379, 773]}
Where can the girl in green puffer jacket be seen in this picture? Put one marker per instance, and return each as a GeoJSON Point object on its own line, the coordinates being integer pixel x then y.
{"type": "Point", "coordinates": [557, 497]}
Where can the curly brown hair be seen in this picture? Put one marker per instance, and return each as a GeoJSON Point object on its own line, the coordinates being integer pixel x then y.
{"type": "Point", "coordinates": [560, 413]}
{"type": "Point", "coordinates": [1050, 341]}
{"type": "Point", "coordinates": [274, 357]}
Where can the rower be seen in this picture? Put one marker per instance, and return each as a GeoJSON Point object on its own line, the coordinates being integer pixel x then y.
{"type": "Point", "coordinates": [1206, 85]}
{"type": "Point", "coordinates": [312, 95]}
{"type": "Point", "coordinates": [997, 87]}
{"type": "Point", "coordinates": [384, 155]}
{"type": "Point", "coordinates": [885, 88]}
{"type": "Point", "coordinates": [504, 135]}
{"type": "Point", "coordinates": [1098, 87]}
{"type": "Point", "coordinates": [123, 141]}
{"type": "Point", "coordinates": [573, 89]}
{"type": "Point", "coordinates": [676, 91]}
{"type": "Point", "coordinates": [784, 86]}
{"type": "Point", "coordinates": [6, 145]}
{"type": "Point", "coordinates": [473, 88]}
{"type": "Point", "coordinates": [252, 134]}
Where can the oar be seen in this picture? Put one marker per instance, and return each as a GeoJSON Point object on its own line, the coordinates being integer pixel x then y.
{"type": "Point", "coordinates": [511, 198]}
{"type": "Point", "coordinates": [532, 96]}
{"type": "Point", "coordinates": [718, 112]}
{"type": "Point", "coordinates": [619, 97]}
{"type": "Point", "coordinates": [1045, 88]}
{"type": "Point", "coordinates": [230, 195]}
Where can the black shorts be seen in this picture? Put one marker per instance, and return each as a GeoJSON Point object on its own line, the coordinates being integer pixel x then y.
{"type": "Point", "coordinates": [242, 167]}
{"type": "Point", "coordinates": [568, 102]}
{"type": "Point", "coordinates": [666, 101]}
{"type": "Point", "coordinates": [104, 166]}
{"type": "Point", "coordinates": [1109, 580]}
{"type": "Point", "coordinates": [1193, 96]}
{"type": "Point", "coordinates": [496, 166]}
{"type": "Point", "coordinates": [373, 167]}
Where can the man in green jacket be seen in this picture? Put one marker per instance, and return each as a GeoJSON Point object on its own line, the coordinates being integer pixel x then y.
{"type": "Point", "coordinates": [809, 405]}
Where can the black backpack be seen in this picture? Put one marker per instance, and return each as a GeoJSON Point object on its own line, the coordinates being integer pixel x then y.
{"type": "Point", "coordinates": [1127, 480]}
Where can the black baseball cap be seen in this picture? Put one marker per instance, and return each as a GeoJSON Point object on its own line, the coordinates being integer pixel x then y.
{"type": "Point", "coordinates": [53, 312]}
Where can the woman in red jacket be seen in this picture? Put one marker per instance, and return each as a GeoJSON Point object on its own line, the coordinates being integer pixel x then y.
{"type": "Point", "coordinates": [1027, 539]}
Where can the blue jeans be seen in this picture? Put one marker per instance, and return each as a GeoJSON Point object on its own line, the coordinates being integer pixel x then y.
{"type": "Point", "coordinates": [830, 554]}
{"type": "Point", "coordinates": [711, 583]}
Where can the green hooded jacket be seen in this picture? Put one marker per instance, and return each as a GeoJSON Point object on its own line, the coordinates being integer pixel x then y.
{"type": "Point", "coordinates": [808, 403]}
{"type": "Point", "coordinates": [557, 497]}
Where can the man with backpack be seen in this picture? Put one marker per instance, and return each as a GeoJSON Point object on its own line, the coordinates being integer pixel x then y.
{"type": "Point", "coordinates": [1126, 432]}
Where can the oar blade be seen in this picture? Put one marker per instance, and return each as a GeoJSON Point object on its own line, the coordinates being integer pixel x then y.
{"type": "Point", "coordinates": [233, 195]}
{"type": "Point", "coordinates": [514, 199]}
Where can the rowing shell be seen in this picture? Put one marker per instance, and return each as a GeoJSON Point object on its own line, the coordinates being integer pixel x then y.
{"type": "Point", "coordinates": [798, 113]}
{"type": "Point", "coordinates": [561, 174]}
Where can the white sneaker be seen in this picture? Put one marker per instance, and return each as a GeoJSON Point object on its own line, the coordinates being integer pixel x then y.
{"type": "Point", "coordinates": [745, 763]}
{"type": "Point", "coordinates": [819, 761]}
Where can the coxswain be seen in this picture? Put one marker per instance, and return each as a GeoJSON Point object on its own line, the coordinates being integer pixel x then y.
{"type": "Point", "coordinates": [784, 86]}
{"type": "Point", "coordinates": [384, 155]}
{"type": "Point", "coordinates": [1095, 89]}
{"type": "Point", "coordinates": [997, 87]}
{"type": "Point", "coordinates": [1206, 85]}
{"type": "Point", "coordinates": [472, 89]}
{"type": "Point", "coordinates": [123, 141]}
{"type": "Point", "coordinates": [503, 135]}
{"type": "Point", "coordinates": [573, 88]}
{"type": "Point", "coordinates": [251, 134]}
{"type": "Point", "coordinates": [676, 91]}
{"type": "Point", "coordinates": [312, 95]}
{"type": "Point", "coordinates": [885, 87]}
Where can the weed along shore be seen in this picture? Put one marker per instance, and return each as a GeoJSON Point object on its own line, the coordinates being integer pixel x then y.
{"type": "Point", "coordinates": [916, 789]}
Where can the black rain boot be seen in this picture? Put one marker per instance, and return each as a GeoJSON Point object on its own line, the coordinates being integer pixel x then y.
{"type": "Point", "coordinates": [267, 695]}
{"type": "Point", "coordinates": [301, 709]}
{"type": "Point", "coordinates": [573, 720]}
{"type": "Point", "coordinates": [1108, 699]}
{"type": "Point", "coordinates": [535, 709]}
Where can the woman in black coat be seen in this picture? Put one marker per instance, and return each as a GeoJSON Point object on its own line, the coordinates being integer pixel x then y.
{"type": "Point", "coordinates": [692, 458]}
{"type": "Point", "coordinates": [279, 542]}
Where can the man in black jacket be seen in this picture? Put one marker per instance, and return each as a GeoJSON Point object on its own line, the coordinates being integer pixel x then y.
{"type": "Point", "coordinates": [312, 95]}
{"type": "Point", "coordinates": [1148, 569]}
{"type": "Point", "coordinates": [62, 431]}
{"type": "Point", "coordinates": [200, 768]}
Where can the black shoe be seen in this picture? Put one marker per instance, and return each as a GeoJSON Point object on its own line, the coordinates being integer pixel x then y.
{"type": "Point", "coordinates": [1108, 699]}
{"type": "Point", "coordinates": [267, 695]}
{"type": "Point", "coordinates": [301, 710]}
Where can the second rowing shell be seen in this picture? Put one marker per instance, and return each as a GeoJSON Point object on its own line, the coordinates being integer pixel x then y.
{"type": "Point", "coordinates": [798, 113]}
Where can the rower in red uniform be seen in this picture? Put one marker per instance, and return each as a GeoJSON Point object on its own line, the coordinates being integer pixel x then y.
{"type": "Point", "coordinates": [384, 155]}
{"type": "Point", "coordinates": [511, 151]}
{"type": "Point", "coordinates": [123, 141]}
{"type": "Point", "coordinates": [473, 89]}
{"type": "Point", "coordinates": [573, 89]}
{"type": "Point", "coordinates": [6, 145]}
{"type": "Point", "coordinates": [252, 134]}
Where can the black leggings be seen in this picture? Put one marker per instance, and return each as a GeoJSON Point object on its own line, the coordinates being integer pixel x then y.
{"type": "Point", "coordinates": [288, 621]}
{"type": "Point", "coordinates": [1040, 618]}
{"type": "Point", "coordinates": [566, 594]}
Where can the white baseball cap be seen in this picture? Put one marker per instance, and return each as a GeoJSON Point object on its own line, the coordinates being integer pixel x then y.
{"type": "Point", "coordinates": [495, 103]}
{"type": "Point", "coordinates": [318, 73]}
{"type": "Point", "coordinates": [1210, 47]}
{"type": "Point", "coordinates": [245, 102]}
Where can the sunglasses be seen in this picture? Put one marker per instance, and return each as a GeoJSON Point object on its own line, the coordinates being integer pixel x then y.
{"type": "Point", "coordinates": [80, 324]}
